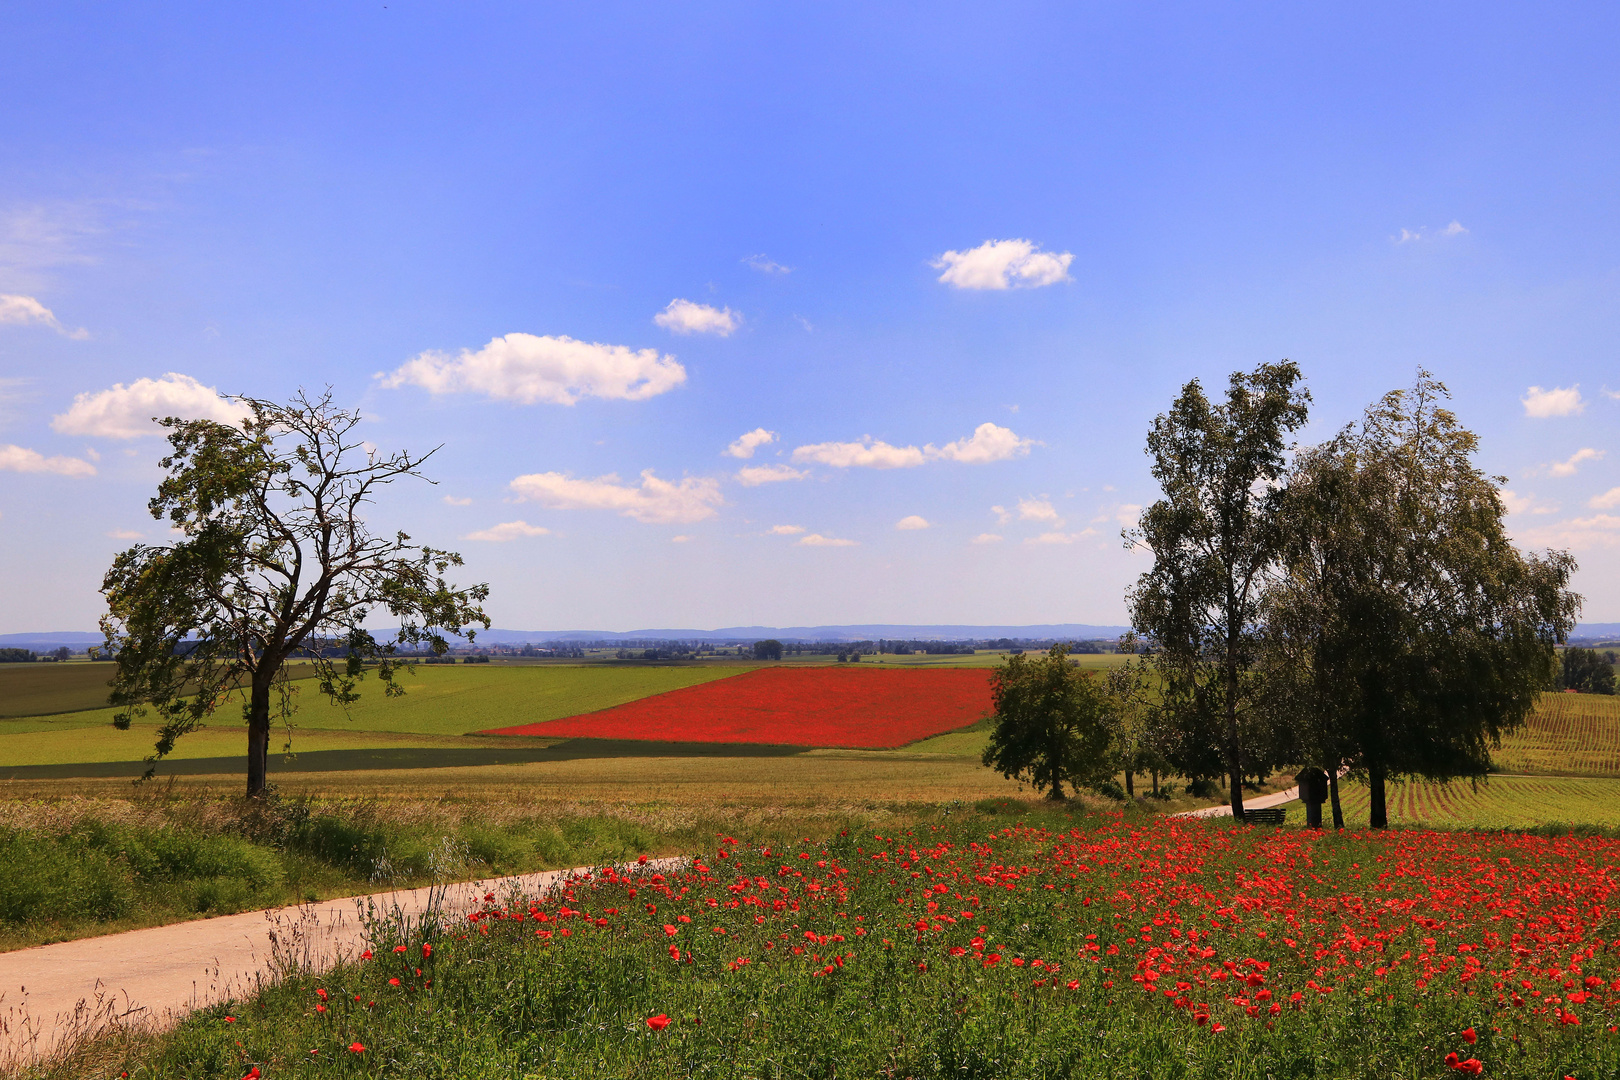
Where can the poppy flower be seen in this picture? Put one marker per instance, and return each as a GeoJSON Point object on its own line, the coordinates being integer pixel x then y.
{"type": "Point", "coordinates": [356, 1047]}
{"type": "Point", "coordinates": [658, 1023]}
{"type": "Point", "coordinates": [1470, 1036]}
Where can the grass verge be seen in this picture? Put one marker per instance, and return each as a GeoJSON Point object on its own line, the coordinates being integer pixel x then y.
{"type": "Point", "coordinates": [1056, 944]}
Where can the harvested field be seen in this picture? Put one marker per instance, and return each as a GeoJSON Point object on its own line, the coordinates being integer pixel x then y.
{"type": "Point", "coordinates": [1567, 735]}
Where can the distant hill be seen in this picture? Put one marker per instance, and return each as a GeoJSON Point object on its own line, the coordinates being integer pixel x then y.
{"type": "Point", "coordinates": [860, 632]}
{"type": "Point", "coordinates": [77, 640]}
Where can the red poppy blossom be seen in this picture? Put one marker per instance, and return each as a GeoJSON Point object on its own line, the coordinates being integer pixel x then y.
{"type": "Point", "coordinates": [658, 1023]}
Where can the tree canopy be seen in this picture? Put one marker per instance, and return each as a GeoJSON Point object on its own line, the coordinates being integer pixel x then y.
{"type": "Point", "coordinates": [275, 557]}
{"type": "Point", "coordinates": [1413, 632]}
{"type": "Point", "coordinates": [1051, 724]}
{"type": "Point", "coordinates": [1216, 535]}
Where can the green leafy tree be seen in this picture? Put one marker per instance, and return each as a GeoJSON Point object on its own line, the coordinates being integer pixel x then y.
{"type": "Point", "coordinates": [1587, 670]}
{"type": "Point", "coordinates": [1216, 536]}
{"type": "Point", "coordinates": [1051, 724]}
{"type": "Point", "coordinates": [275, 559]}
{"type": "Point", "coordinates": [1417, 632]}
{"type": "Point", "coordinates": [769, 649]}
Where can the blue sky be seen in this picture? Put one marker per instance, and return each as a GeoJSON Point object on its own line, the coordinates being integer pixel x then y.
{"type": "Point", "coordinates": [869, 230]}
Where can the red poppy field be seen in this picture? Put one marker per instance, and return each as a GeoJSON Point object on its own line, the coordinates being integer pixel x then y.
{"type": "Point", "coordinates": [831, 707]}
{"type": "Point", "coordinates": [1081, 948]}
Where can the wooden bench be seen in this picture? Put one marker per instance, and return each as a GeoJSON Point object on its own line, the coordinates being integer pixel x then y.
{"type": "Point", "coordinates": [1271, 815]}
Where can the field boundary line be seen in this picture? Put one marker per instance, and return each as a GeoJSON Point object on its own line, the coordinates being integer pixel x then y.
{"type": "Point", "coordinates": [54, 998]}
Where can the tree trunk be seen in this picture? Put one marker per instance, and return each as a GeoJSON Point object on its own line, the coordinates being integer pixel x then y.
{"type": "Point", "coordinates": [1234, 760]}
{"type": "Point", "coordinates": [258, 738]}
{"type": "Point", "coordinates": [1056, 794]}
{"type": "Point", "coordinates": [1130, 786]}
{"type": "Point", "coordinates": [1155, 775]}
{"type": "Point", "coordinates": [1333, 795]}
{"type": "Point", "coordinates": [1377, 813]}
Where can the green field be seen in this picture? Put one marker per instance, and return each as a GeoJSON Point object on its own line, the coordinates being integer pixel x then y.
{"type": "Point", "coordinates": [440, 706]}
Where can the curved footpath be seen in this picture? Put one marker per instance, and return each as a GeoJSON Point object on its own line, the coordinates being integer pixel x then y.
{"type": "Point", "coordinates": [53, 997]}
{"type": "Point", "coordinates": [1261, 803]}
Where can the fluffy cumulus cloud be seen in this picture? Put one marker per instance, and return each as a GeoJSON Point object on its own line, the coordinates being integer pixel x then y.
{"type": "Point", "coordinates": [987, 538]}
{"type": "Point", "coordinates": [912, 521]}
{"type": "Point", "coordinates": [1559, 401]}
{"type": "Point", "coordinates": [529, 368]}
{"type": "Point", "coordinates": [509, 530]}
{"type": "Point", "coordinates": [25, 310]}
{"type": "Point", "coordinates": [451, 500]}
{"type": "Point", "coordinates": [817, 540]}
{"type": "Point", "coordinates": [787, 530]}
{"type": "Point", "coordinates": [1576, 534]}
{"type": "Point", "coordinates": [685, 317]}
{"type": "Point", "coordinates": [21, 459]}
{"type": "Point", "coordinates": [1038, 510]}
{"type": "Point", "coordinates": [869, 453]}
{"type": "Point", "coordinates": [1058, 537]}
{"type": "Point", "coordinates": [653, 501]}
{"type": "Point", "coordinates": [745, 445]}
{"type": "Point", "coordinates": [755, 475]}
{"type": "Point", "coordinates": [1003, 264]}
{"type": "Point", "coordinates": [127, 412]}
{"type": "Point", "coordinates": [988, 443]}
{"type": "Point", "coordinates": [1609, 500]}
{"type": "Point", "coordinates": [1515, 503]}
{"type": "Point", "coordinates": [1569, 467]}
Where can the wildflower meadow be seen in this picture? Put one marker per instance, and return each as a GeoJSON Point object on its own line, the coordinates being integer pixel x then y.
{"type": "Point", "coordinates": [1063, 945]}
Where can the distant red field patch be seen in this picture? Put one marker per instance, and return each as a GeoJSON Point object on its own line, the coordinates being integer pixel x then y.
{"type": "Point", "coordinates": [833, 707]}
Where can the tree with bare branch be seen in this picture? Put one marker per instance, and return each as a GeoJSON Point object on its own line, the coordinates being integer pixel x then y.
{"type": "Point", "coordinates": [276, 560]}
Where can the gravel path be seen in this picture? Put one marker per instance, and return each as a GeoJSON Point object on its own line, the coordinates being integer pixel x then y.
{"type": "Point", "coordinates": [55, 996]}
{"type": "Point", "coordinates": [1260, 803]}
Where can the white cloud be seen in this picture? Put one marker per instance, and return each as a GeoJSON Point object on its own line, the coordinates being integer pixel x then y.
{"type": "Point", "coordinates": [1128, 514]}
{"type": "Point", "coordinates": [1559, 401]}
{"type": "Point", "coordinates": [127, 412]}
{"type": "Point", "coordinates": [1409, 236]}
{"type": "Point", "coordinates": [1516, 503]}
{"type": "Point", "coordinates": [1611, 393]}
{"type": "Point", "coordinates": [988, 443]}
{"type": "Point", "coordinates": [685, 317]}
{"type": "Point", "coordinates": [20, 459]}
{"type": "Point", "coordinates": [22, 310]}
{"type": "Point", "coordinates": [1568, 468]}
{"type": "Point", "coordinates": [527, 368]}
{"type": "Point", "coordinates": [1003, 264]}
{"type": "Point", "coordinates": [1576, 534]}
{"type": "Point", "coordinates": [913, 521]}
{"type": "Point", "coordinates": [125, 534]}
{"type": "Point", "coordinates": [1002, 517]}
{"type": "Point", "coordinates": [1609, 500]}
{"type": "Point", "coordinates": [755, 475]}
{"type": "Point", "coordinates": [1056, 537]}
{"type": "Point", "coordinates": [655, 502]}
{"type": "Point", "coordinates": [680, 539]}
{"type": "Point", "coordinates": [765, 265]}
{"type": "Point", "coordinates": [986, 538]}
{"type": "Point", "coordinates": [817, 540]}
{"type": "Point", "coordinates": [453, 501]}
{"type": "Point", "coordinates": [508, 530]}
{"type": "Point", "coordinates": [745, 445]}
{"type": "Point", "coordinates": [1037, 510]}
{"type": "Point", "coordinates": [787, 530]}
{"type": "Point", "coordinates": [866, 454]}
